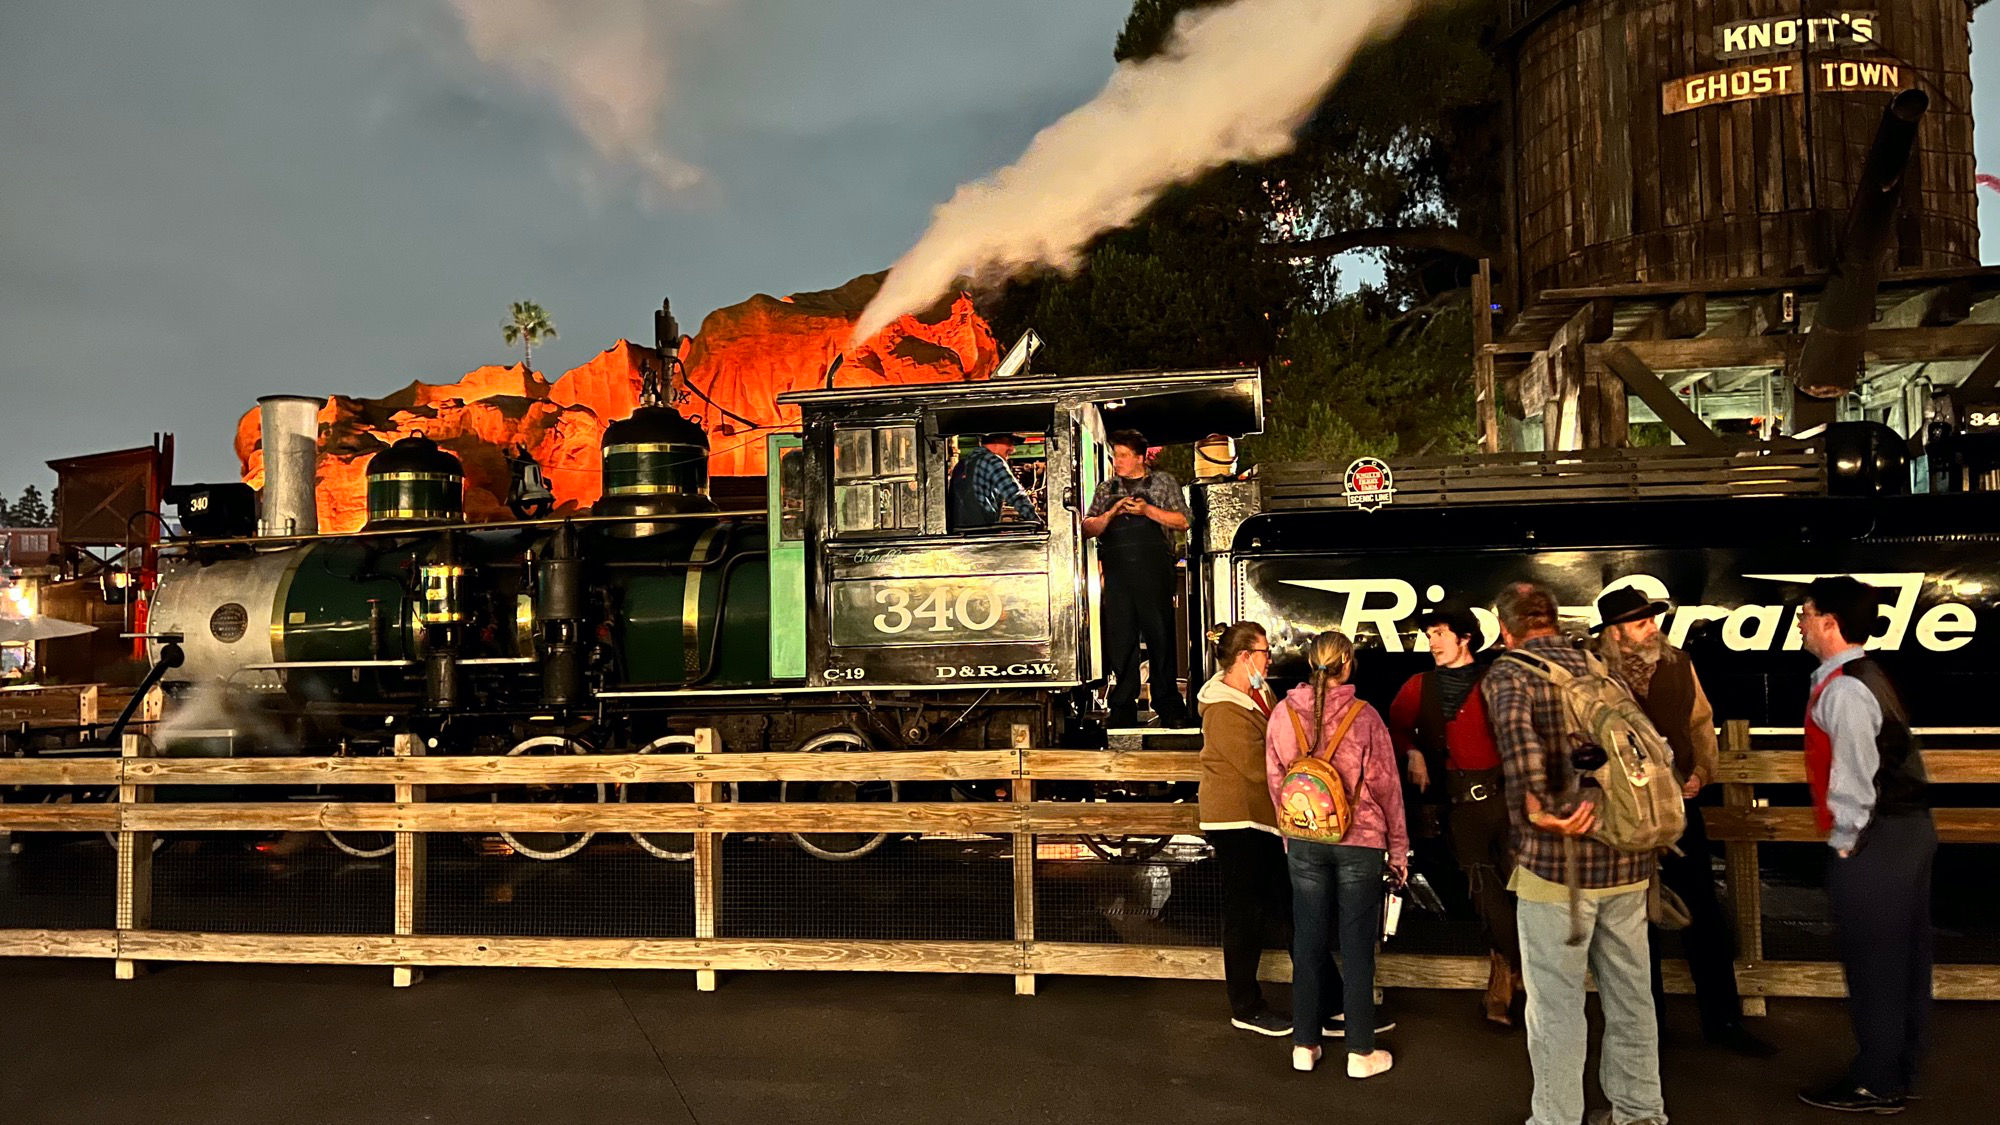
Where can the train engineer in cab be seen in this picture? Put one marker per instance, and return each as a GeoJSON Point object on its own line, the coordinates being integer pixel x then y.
{"type": "Point", "coordinates": [1134, 517]}
{"type": "Point", "coordinates": [982, 482]}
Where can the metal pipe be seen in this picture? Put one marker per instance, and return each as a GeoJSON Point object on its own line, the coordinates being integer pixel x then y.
{"type": "Point", "coordinates": [171, 657]}
{"type": "Point", "coordinates": [1830, 363]}
{"type": "Point", "coordinates": [291, 465]}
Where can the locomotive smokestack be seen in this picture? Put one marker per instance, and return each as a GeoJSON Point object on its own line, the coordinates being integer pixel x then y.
{"type": "Point", "coordinates": [1831, 361]}
{"type": "Point", "coordinates": [291, 465]}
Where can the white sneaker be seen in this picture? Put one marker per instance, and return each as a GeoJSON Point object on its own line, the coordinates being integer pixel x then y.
{"type": "Point", "coordinates": [1369, 1065]}
{"type": "Point", "coordinates": [1305, 1058]}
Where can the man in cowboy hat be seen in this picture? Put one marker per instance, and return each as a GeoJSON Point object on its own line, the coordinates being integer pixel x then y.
{"type": "Point", "coordinates": [981, 482]}
{"type": "Point", "coordinates": [1663, 680]}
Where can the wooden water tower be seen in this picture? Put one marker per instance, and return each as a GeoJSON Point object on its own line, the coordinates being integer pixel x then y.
{"type": "Point", "coordinates": [1679, 183]}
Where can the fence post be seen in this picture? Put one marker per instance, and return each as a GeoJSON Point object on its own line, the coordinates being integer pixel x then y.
{"type": "Point", "coordinates": [411, 853]}
{"type": "Point", "coordinates": [86, 707]}
{"type": "Point", "coordinates": [707, 863]}
{"type": "Point", "coordinates": [133, 907]}
{"type": "Point", "coordinates": [1746, 888]}
{"type": "Point", "coordinates": [1022, 791]}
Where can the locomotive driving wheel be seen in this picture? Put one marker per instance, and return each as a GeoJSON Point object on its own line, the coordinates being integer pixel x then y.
{"type": "Point", "coordinates": [677, 846]}
{"type": "Point", "coordinates": [838, 846]}
{"type": "Point", "coordinates": [551, 845]}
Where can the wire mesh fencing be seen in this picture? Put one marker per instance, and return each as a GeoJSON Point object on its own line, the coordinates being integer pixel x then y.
{"type": "Point", "coordinates": [56, 881]}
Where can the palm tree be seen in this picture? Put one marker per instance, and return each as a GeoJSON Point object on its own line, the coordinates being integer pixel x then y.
{"type": "Point", "coordinates": [529, 325]}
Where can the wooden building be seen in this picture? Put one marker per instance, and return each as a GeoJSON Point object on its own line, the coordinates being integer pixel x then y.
{"type": "Point", "coordinates": [1679, 180]}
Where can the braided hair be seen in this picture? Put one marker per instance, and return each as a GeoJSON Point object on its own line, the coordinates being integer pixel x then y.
{"type": "Point", "coordinates": [1331, 656]}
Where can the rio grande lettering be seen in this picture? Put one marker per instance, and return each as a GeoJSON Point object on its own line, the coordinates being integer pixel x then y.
{"type": "Point", "coordinates": [1386, 608]}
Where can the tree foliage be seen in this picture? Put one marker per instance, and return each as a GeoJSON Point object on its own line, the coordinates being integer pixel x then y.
{"type": "Point", "coordinates": [527, 324]}
{"type": "Point", "coordinates": [30, 510]}
{"type": "Point", "coordinates": [1193, 283]}
{"type": "Point", "coordinates": [1351, 380]}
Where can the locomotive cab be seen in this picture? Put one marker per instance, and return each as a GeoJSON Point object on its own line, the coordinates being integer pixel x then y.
{"type": "Point", "coordinates": [897, 590]}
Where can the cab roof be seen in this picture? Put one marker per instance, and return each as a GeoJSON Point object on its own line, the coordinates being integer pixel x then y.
{"type": "Point", "coordinates": [1169, 407]}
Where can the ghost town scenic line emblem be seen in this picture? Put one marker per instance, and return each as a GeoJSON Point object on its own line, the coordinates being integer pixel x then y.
{"type": "Point", "coordinates": [1369, 484]}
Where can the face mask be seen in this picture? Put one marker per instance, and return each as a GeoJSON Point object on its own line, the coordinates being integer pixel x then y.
{"type": "Point", "coordinates": [1256, 681]}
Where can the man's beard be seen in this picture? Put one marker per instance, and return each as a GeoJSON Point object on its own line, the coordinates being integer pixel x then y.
{"type": "Point", "coordinates": [1634, 660]}
{"type": "Point", "coordinates": [1651, 650]}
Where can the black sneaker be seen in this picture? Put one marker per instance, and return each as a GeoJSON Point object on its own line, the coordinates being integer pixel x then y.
{"type": "Point", "coordinates": [1737, 1038]}
{"type": "Point", "coordinates": [1264, 1023]}
{"type": "Point", "coordinates": [1336, 1028]}
{"type": "Point", "coordinates": [1846, 1097]}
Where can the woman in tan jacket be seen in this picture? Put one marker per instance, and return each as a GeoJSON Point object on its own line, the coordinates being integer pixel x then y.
{"type": "Point", "coordinates": [1237, 818]}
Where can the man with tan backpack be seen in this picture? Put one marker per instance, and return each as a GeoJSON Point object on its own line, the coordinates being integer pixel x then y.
{"type": "Point", "coordinates": [1581, 901]}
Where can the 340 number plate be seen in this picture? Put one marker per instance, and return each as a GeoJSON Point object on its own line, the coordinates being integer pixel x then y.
{"type": "Point", "coordinates": [938, 611]}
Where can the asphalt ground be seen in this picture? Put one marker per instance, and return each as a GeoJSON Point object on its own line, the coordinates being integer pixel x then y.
{"type": "Point", "coordinates": [220, 1044]}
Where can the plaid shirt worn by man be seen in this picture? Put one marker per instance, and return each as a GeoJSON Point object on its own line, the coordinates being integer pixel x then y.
{"type": "Point", "coordinates": [992, 484]}
{"type": "Point", "coordinates": [1527, 716]}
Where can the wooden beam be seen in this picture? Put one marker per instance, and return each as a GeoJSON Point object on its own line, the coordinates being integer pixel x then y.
{"type": "Point", "coordinates": [1800, 282]}
{"type": "Point", "coordinates": [1111, 765]}
{"type": "Point", "coordinates": [698, 954]}
{"type": "Point", "coordinates": [1045, 817]}
{"type": "Point", "coordinates": [1022, 792]}
{"type": "Point", "coordinates": [1485, 387]}
{"type": "Point", "coordinates": [58, 943]}
{"type": "Point", "coordinates": [1788, 767]}
{"type": "Point", "coordinates": [1984, 375]}
{"type": "Point", "coordinates": [1620, 361]}
{"type": "Point", "coordinates": [132, 907]}
{"type": "Point", "coordinates": [527, 769]}
{"type": "Point", "coordinates": [58, 771]}
{"type": "Point", "coordinates": [1795, 825]}
{"type": "Point", "coordinates": [1884, 345]}
{"type": "Point", "coordinates": [411, 849]}
{"type": "Point", "coordinates": [1744, 875]}
{"type": "Point", "coordinates": [708, 859]}
{"type": "Point", "coordinates": [61, 817]}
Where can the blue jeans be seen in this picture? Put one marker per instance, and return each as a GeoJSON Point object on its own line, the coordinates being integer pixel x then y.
{"type": "Point", "coordinates": [1616, 950]}
{"type": "Point", "coordinates": [1330, 879]}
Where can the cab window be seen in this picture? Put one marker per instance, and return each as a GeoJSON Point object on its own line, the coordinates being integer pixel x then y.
{"type": "Point", "coordinates": [977, 499]}
{"type": "Point", "coordinates": [875, 485]}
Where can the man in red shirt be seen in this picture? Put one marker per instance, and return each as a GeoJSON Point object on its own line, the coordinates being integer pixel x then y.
{"type": "Point", "coordinates": [1439, 723]}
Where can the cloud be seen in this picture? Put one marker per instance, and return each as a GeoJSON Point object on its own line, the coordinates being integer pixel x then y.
{"type": "Point", "coordinates": [1234, 83]}
{"type": "Point", "coordinates": [608, 63]}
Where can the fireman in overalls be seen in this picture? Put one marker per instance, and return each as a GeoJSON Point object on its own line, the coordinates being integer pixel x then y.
{"type": "Point", "coordinates": [1133, 517]}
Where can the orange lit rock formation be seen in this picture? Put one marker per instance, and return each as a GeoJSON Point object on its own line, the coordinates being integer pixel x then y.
{"type": "Point", "coordinates": [741, 360]}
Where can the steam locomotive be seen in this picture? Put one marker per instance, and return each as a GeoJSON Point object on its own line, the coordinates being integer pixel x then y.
{"type": "Point", "coordinates": [848, 613]}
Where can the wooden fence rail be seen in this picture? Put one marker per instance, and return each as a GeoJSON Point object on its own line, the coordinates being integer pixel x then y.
{"type": "Point", "coordinates": [428, 795]}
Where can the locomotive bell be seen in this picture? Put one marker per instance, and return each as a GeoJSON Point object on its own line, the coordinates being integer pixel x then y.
{"type": "Point", "coordinates": [655, 463]}
{"type": "Point", "coordinates": [413, 483]}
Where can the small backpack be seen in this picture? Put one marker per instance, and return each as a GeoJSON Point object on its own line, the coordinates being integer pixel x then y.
{"type": "Point", "coordinates": [1312, 800]}
{"type": "Point", "coordinates": [1639, 807]}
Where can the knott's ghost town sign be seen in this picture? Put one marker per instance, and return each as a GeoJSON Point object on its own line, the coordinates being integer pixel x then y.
{"type": "Point", "coordinates": [1814, 36]}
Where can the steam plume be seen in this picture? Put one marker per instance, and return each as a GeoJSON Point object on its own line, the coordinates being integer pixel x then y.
{"type": "Point", "coordinates": [606, 62]}
{"type": "Point", "coordinates": [1234, 83]}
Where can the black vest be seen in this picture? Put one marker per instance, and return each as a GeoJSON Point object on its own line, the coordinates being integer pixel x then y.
{"type": "Point", "coordinates": [1669, 701]}
{"type": "Point", "coordinates": [1900, 781]}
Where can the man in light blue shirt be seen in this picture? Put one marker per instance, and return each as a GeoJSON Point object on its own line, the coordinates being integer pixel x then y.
{"type": "Point", "coordinates": [1868, 788]}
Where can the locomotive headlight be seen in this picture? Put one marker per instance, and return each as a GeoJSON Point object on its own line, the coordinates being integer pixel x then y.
{"type": "Point", "coordinates": [439, 605]}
